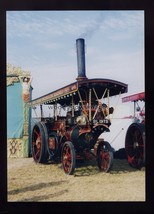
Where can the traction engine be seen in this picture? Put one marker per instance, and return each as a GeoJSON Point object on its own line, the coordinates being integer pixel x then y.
{"type": "Point", "coordinates": [135, 135]}
{"type": "Point", "coordinates": [76, 135]}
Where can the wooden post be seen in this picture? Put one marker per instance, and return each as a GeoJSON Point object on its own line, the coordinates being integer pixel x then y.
{"type": "Point", "coordinates": [108, 98]}
{"type": "Point", "coordinates": [72, 106]}
{"type": "Point", "coordinates": [89, 104]}
{"type": "Point", "coordinates": [41, 111]}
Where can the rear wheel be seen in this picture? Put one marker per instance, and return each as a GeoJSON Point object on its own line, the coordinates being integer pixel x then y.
{"type": "Point", "coordinates": [134, 144]}
{"type": "Point", "coordinates": [39, 136]}
{"type": "Point", "coordinates": [104, 156]}
{"type": "Point", "coordinates": [68, 158]}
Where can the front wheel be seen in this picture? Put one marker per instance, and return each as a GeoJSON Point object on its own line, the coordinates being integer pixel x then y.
{"type": "Point", "coordinates": [104, 156]}
{"type": "Point", "coordinates": [68, 158]}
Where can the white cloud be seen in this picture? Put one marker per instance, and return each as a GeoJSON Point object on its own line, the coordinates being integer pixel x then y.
{"type": "Point", "coordinates": [124, 26]}
{"type": "Point", "coordinates": [47, 46]}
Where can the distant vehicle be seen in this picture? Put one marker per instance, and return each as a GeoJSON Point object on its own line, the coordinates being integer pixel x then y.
{"type": "Point", "coordinates": [75, 136]}
{"type": "Point", "coordinates": [135, 135]}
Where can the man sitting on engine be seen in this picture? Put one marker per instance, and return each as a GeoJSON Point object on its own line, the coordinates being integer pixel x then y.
{"type": "Point", "coordinates": [102, 111]}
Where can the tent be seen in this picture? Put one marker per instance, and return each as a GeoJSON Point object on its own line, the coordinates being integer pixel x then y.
{"type": "Point", "coordinates": [18, 115]}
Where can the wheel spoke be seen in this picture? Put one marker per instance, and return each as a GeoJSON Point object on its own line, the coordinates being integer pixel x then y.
{"type": "Point", "coordinates": [104, 160]}
{"type": "Point", "coordinates": [67, 151]}
{"type": "Point", "coordinates": [37, 144]}
{"type": "Point", "coordinates": [37, 154]}
{"type": "Point", "coordinates": [37, 133]}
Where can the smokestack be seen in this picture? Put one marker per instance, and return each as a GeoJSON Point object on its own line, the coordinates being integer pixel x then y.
{"type": "Point", "coordinates": [81, 59]}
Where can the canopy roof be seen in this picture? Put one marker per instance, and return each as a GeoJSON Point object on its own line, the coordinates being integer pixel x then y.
{"type": "Point", "coordinates": [134, 97]}
{"type": "Point", "coordinates": [64, 95]}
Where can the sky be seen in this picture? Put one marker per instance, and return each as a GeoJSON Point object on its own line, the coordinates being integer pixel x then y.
{"type": "Point", "coordinates": [44, 43]}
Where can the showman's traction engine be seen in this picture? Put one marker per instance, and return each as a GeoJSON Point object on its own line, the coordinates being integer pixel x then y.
{"type": "Point", "coordinates": [73, 136]}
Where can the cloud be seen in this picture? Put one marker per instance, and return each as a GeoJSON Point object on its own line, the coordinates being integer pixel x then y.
{"type": "Point", "coordinates": [123, 25]}
{"type": "Point", "coordinates": [26, 23]}
{"type": "Point", "coordinates": [18, 26]}
{"type": "Point", "coordinates": [116, 25]}
{"type": "Point", "coordinates": [44, 43]}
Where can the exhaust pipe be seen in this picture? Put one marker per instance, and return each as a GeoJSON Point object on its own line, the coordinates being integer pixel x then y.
{"type": "Point", "coordinates": [80, 46]}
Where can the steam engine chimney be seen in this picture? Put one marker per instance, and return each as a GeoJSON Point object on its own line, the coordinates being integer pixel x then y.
{"type": "Point", "coordinates": [81, 59]}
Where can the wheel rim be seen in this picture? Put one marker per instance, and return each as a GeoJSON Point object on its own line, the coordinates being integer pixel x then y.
{"type": "Point", "coordinates": [135, 147]}
{"type": "Point", "coordinates": [67, 159]}
{"type": "Point", "coordinates": [36, 143]}
{"type": "Point", "coordinates": [104, 159]}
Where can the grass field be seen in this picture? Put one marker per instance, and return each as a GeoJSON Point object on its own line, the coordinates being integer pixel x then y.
{"type": "Point", "coordinates": [28, 181]}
